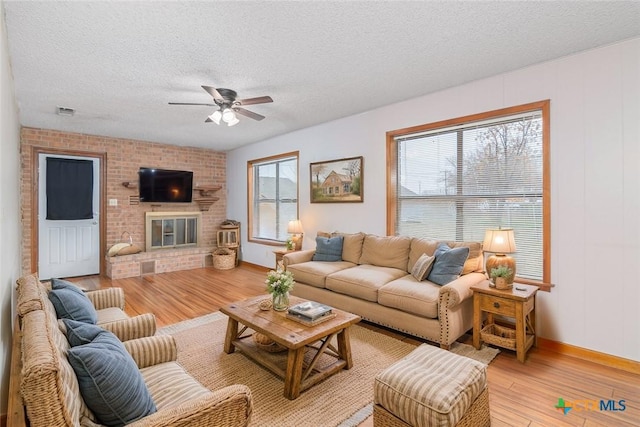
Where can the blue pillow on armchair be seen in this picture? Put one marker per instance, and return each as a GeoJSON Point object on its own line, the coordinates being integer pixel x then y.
{"type": "Point", "coordinates": [70, 304]}
{"type": "Point", "coordinates": [109, 380]}
{"type": "Point", "coordinates": [328, 248]}
{"type": "Point", "coordinates": [64, 284]}
{"type": "Point", "coordinates": [448, 264]}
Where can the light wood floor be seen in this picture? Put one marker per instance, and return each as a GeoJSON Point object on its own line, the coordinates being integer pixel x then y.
{"type": "Point", "coordinates": [520, 394]}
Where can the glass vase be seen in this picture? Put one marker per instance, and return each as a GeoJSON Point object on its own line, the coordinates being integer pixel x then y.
{"type": "Point", "coordinates": [281, 301]}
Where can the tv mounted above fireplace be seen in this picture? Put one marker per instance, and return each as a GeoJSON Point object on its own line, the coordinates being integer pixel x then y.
{"type": "Point", "coordinates": [165, 186]}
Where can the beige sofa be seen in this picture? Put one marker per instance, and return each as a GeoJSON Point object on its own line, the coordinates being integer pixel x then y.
{"type": "Point", "coordinates": [50, 391]}
{"type": "Point", "coordinates": [373, 280]}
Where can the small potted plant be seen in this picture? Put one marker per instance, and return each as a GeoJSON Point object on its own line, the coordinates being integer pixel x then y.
{"type": "Point", "coordinates": [290, 244]}
{"type": "Point", "coordinates": [502, 277]}
{"type": "Point", "coordinates": [279, 283]}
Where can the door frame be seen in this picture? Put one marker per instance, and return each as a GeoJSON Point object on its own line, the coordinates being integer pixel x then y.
{"type": "Point", "coordinates": [35, 179]}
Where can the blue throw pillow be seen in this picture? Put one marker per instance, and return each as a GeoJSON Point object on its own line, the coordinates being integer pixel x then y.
{"type": "Point", "coordinates": [79, 333]}
{"type": "Point", "coordinates": [70, 304]}
{"type": "Point", "coordinates": [328, 248]}
{"type": "Point", "coordinates": [110, 381]}
{"type": "Point", "coordinates": [63, 284]}
{"type": "Point", "coordinates": [448, 264]}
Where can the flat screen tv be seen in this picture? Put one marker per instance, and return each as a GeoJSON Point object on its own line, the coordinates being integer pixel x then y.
{"type": "Point", "coordinates": [165, 186]}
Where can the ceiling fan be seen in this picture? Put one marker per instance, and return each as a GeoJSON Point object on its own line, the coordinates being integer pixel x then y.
{"type": "Point", "coordinates": [228, 105]}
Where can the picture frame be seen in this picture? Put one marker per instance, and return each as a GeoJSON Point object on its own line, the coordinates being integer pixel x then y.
{"type": "Point", "coordinates": [337, 181]}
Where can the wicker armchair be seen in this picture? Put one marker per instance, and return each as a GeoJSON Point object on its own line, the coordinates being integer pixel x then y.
{"type": "Point", "coordinates": [44, 386]}
{"type": "Point", "coordinates": [109, 304]}
{"type": "Point", "coordinates": [51, 393]}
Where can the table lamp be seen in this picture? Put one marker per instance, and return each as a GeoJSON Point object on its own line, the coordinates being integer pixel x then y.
{"type": "Point", "coordinates": [500, 242]}
{"type": "Point", "coordinates": [295, 228]}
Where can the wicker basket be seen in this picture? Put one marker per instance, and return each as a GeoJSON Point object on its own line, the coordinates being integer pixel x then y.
{"type": "Point", "coordinates": [499, 335]}
{"type": "Point", "coordinates": [224, 259]}
{"type": "Point", "coordinates": [265, 343]}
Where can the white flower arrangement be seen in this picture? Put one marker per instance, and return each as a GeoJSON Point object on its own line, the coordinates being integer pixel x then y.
{"type": "Point", "coordinates": [279, 282]}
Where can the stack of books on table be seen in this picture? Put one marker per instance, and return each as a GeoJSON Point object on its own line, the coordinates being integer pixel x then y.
{"type": "Point", "coordinates": [310, 313]}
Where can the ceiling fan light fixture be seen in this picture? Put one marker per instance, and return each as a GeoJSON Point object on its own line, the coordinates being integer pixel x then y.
{"type": "Point", "coordinates": [233, 121]}
{"type": "Point", "coordinates": [216, 116]}
{"type": "Point", "coordinates": [228, 115]}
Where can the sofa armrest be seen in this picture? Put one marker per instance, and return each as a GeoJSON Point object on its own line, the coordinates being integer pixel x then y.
{"type": "Point", "coordinates": [105, 298]}
{"type": "Point", "coordinates": [460, 289]}
{"type": "Point", "coordinates": [151, 351]}
{"type": "Point", "coordinates": [133, 328]}
{"type": "Point", "coordinates": [228, 406]}
{"type": "Point", "coordinates": [298, 257]}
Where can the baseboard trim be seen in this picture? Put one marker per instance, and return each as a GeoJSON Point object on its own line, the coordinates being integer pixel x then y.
{"type": "Point", "coordinates": [254, 266]}
{"type": "Point", "coordinates": [605, 359]}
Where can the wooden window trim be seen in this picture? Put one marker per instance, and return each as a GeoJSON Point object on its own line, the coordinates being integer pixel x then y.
{"type": "Point", "coordinates": [544, 108]}
{"type": "Point", "coordinates": [250, 187]}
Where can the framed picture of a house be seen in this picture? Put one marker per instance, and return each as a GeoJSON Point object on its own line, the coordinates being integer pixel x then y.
{"type": "Point", "coordinates": [337, 181]}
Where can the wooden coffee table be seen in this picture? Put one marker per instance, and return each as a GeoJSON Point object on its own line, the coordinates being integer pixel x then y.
{"type": "Point", "coordinates": [310, 355]}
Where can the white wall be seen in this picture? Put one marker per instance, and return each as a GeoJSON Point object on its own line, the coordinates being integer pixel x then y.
{"type": "Point", "coordinates": [595, 183]}
{"type": "Point", "coordinates": [10, 228]}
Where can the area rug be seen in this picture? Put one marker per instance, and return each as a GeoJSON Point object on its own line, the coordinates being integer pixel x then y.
{"type": "Point", "coordinates": [343, 399]}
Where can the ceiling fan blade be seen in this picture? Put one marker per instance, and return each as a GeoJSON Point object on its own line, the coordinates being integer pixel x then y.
{"type": "Point", "coordinates": [213, 92]}
{"type": "Point", "coordinates": [208, 120]}
{"type": "Point", "coordinates": [192, 103]}
{"type": "Point", "coordinates": [258, 100]}
{"type": "Point", "coordinates": [248, 113]}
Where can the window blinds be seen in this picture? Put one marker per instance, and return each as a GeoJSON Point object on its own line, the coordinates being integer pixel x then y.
{"type": "Point", "coordinates": [454, 183]}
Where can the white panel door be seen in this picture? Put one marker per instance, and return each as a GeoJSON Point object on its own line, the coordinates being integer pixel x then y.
{"type": "Point", "coordinates": [68, 248]}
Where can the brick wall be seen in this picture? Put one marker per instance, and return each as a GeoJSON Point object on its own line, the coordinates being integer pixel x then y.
{"type": "Point", "coordinates": [123, 159]}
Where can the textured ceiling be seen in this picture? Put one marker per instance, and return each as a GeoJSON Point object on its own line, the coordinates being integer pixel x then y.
{"type": "Point", "coordinates": [118, 64]}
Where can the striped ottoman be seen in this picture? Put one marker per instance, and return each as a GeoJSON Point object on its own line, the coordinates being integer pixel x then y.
{"type": "Point", "coordinates": [432, 387]}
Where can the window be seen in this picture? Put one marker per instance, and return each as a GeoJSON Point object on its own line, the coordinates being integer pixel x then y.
{"type": "Point", "coordinates": [273, 197]}
{"type": "Point", "coordinates": [452, 180]}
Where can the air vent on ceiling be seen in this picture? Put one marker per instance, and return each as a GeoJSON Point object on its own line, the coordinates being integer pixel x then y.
{"type": "Point", "coordinates": [64, 111]}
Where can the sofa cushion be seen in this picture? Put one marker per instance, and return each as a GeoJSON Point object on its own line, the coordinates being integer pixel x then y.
{"type": "Point", "coordinates": [351, 246]}
{"type": "Point", "coordinates": [475, 260]}
{"type": "Point", "coordinates": [362, 281]}
{"type": "Point", "coordinates": [422, 267]}
{"type": "Point", "coordinates": [110, 382]}
{"type": "Point", "coordinates": [314, 273]}
{"type": "Point", "coordinates": [448, 264]}
{"type": "Point", "coordinates": [110, 314]}
{"type": "Point", "coordinates": [388, 251]}
{"type": "Point", "coordinates": [171, 386]}
{"type": "Point", "coordinates": [328, 249]}
{"type": "Point", "coordinates": [420, 246]}
{"type": "Point", "coordinates": [70, 304]}
{"type": "Point", "coordinates": [411, 296]}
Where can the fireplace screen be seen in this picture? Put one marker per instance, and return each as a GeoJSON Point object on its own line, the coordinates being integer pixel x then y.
{"type": "Point", "coordinates": [172, 229]}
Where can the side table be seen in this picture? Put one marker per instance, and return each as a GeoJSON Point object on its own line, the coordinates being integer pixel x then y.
{"type": "Point", "coordinates": [519, 303]}
{"type": "Point", "coordinates": [280, 254]}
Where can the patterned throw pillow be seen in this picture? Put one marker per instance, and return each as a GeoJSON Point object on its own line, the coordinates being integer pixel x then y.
{"type": "Point", "coordinates": [328, 248]}
{"type": "Point", "coordinates": [448, 265]}
{"type": "Point", "coordinates": [110, 381]}
{"type": "Point", "coordinates": [422, 267]}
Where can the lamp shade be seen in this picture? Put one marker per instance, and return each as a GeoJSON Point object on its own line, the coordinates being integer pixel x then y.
{"type": "Point", "coordinates": [499, 241]}
{"type": "Point", "coordinates": [295, 227]}
{"type": "Point", "coordinates": [216, 116]}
